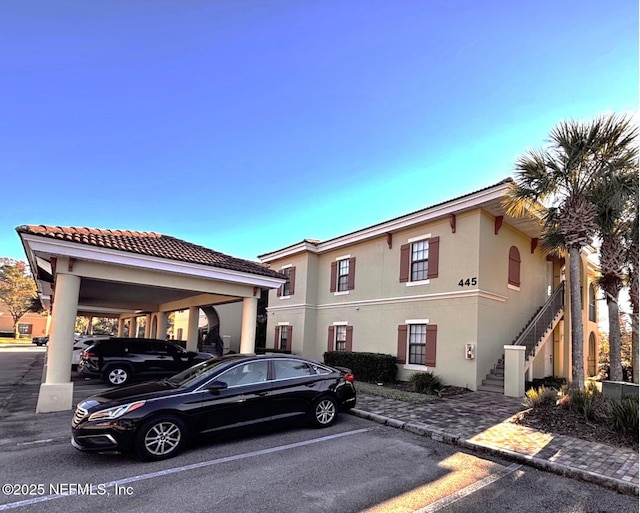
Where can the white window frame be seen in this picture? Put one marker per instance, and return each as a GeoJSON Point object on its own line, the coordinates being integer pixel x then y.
{"type": "Point", "coordinates": [409, 323]}
{"type": "Point", "coordinates": [411, 241]}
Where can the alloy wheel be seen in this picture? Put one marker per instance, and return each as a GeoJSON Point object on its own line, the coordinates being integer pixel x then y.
{"type": "Point", "coordinates": [162, 438]}
{"type": "Point", "coordinates": [118, 376]}
{"type": "Point", "coordinates": [325, 412]}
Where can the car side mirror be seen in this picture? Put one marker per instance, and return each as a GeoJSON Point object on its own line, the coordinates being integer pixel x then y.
{"type": "Point", "coordinates": [216, 386]}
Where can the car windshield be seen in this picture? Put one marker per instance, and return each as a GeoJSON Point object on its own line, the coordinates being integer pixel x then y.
{"type": "Point", "coordinates": [188, 376]}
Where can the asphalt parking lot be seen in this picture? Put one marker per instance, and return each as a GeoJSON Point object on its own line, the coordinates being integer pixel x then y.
{"type": "Point", "coordinates": [355, 465]}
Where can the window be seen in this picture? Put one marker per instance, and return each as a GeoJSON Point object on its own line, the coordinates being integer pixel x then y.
{"type": "Point", "coordinates": [417, 343]}
{"type": "Point", "coordinates": [245, 374]}
{"type": "Point", "coordinates": [287, 369]}
{"type": "Point", "coordinates": [340, 338]}
{"type": "Point", "coordinates": [592, 303]}
{"type": "Point", "coordinates": [514, 267]}
{"type": "Point", "coordinates": [25, 329]}
{"type": "Point", "coordinates": [287, 289]}
{"type": "Point", "coordinates": [283, 337]}
{"type": "Point", "coordinates": [343, 275]}
{"type": "Point", "coordinates": [419, 260]}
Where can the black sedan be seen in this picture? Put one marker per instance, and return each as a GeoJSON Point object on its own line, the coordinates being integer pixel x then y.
{"type": "Point", "coordinates": [158, 419]}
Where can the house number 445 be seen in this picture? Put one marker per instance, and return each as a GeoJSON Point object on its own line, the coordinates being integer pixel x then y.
{"type": "Point", "coordinates": [468, 282]}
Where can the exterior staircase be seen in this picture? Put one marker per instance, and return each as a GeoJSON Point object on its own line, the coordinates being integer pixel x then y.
{"type": "Point", "coordinates": [532, 336]}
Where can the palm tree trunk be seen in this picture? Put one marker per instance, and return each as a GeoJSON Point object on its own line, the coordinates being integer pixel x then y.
{"type": "Point", "coordinates": [615, 342]}
{"type": "Point", "coordinates": [577, 338]}
{"type": "Point", "coordinates": [635, 315]}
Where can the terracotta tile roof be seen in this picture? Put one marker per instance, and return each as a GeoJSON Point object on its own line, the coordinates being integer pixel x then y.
{"type": "Point", "coordinates": [150, 244]}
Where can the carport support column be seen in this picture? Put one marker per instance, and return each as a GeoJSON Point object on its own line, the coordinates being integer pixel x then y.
{"type": "Point", "coordinates": [163, 323]}
{"type": "Point", "coordinates": [249, 316]}
{"type": "Point", "coordinates": [147, 326]}
{"type": "Point", "coordinates": [120, 327]}
{"type": "Point", "coordinates": [192, 328]}
{"type": "Point", "coordinates": [514, 370]}
{"type": "Point", "coordinates": [56, 393]}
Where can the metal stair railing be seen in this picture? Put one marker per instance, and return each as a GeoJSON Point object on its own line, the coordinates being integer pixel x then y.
{"type": "Point", "coordinates": [530, 336]}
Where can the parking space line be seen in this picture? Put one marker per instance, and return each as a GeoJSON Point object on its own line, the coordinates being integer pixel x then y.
{"type": "Point", "coordinates": [184, 468]}
{"type": "Point", "coordinates": [465, 492]}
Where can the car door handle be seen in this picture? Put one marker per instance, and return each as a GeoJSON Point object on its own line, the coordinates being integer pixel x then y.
{"type": "Point", "coordinates": [262, 393]}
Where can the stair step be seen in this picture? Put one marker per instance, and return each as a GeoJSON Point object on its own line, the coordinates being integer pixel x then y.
{"type": "Point", "coordinates": [489, 388]}
{"type": "Point", "coordinates": [493, 380]}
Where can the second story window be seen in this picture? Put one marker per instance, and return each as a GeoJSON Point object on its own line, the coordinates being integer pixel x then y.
{"type": "Point", "coordinates": [419, 260]}
{"type": "Point", "coordinates": [288, 288]}
{"type": "Point", "coordinates": [343, 275]}
{"type": "Point", "coordinates": [514, 267]}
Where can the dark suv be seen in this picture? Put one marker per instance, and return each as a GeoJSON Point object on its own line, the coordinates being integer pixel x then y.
{"type": "Point", "coordinates": [119, 360]}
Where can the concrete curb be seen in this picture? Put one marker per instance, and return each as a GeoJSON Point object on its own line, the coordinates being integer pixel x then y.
{"type": "Point", "coordinates": [440, 436]}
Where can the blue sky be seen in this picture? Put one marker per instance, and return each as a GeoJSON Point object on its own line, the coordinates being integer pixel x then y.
{"type": "Point", "coordinates": [249, 125]}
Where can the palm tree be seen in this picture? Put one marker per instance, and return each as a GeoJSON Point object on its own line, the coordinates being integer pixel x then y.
{"type": "Point", "coordinates": [633, 254]}
{"type": "Point", "coordinates": [614, 194]}
{"type": "Point", "coordinates": [555, 185]}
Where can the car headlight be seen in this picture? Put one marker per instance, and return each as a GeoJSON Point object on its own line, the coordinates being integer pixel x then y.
{"type": "Point", "coordinates": [116, 411]}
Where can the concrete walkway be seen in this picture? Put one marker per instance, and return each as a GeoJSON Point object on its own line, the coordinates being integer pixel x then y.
{"type": "Point", "coordinates": [480, 422]}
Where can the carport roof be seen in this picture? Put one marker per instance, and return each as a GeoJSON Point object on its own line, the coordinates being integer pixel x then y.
{"type": "Point", "coordinates": [150, 244]}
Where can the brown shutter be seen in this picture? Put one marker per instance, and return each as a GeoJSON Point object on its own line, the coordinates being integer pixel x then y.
{"type": "Point", "coordinates": [334, 276]}
{"type": "Point", "coordinates": [405, 255]}
{"type": "Point", "coordinates": [331, 337]}
{"type": "Point", "coordinates": [276, 338]}
{"type": "Point", "coordinates": [351, 280]}
{"type": "Point", "coordinates": [292, 280]}
{"type": "Point", "coordinates": [280, 290]}
{"type": "Point", "coordinates": [402, 343]}
{"type": "Point", "coordinates": [289, 337]}
{"type": "Point", "coordinates": [349, 342]}
{"type": "Point", "coordinates": [434, 257]}
{"type": "Point", "coordinates": [514, 266]}
{"type": "Point", "coordinates": [430, 349]}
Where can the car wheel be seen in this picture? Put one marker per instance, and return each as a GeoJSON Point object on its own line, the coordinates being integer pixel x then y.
{"type": "Point", "coordinates": [324, 412]}
{"type": "Point", "coordinates": [160, 438]}
{"type": "Point", "coordinates": [117, 375]}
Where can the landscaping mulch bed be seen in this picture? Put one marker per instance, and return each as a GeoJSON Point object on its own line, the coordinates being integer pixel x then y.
{"type": "Point", "coordinates": [565, 421]}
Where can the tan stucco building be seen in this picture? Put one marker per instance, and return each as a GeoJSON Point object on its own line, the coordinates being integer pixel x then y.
{"type": "Point", "coordinates": [445, 289]}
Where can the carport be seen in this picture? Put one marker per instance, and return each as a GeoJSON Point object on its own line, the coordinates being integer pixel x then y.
{"type": "Point", "coordinates": [129, 274]}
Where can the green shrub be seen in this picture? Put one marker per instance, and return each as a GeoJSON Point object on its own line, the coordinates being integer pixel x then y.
{"type": "Point", "coordinates": [426, 383]}
{"type": "Point", "coordinates": [589, 402]}
{"type": "Point", "coordinates": [372, 367]}
{"type": "Point", "coordinates": [624, 416]}
{"type": "Point", "coordinates": [541, 396]}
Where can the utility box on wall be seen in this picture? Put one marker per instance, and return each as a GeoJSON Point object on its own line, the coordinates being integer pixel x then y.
{"type": "Point", "coordinates": [470, 351]}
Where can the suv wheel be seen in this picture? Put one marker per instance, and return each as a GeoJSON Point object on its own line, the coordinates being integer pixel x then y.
{"type": "Point", "coordinates": [160, 438]}
{"type": "Point", "coordinates": [117, 375]}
